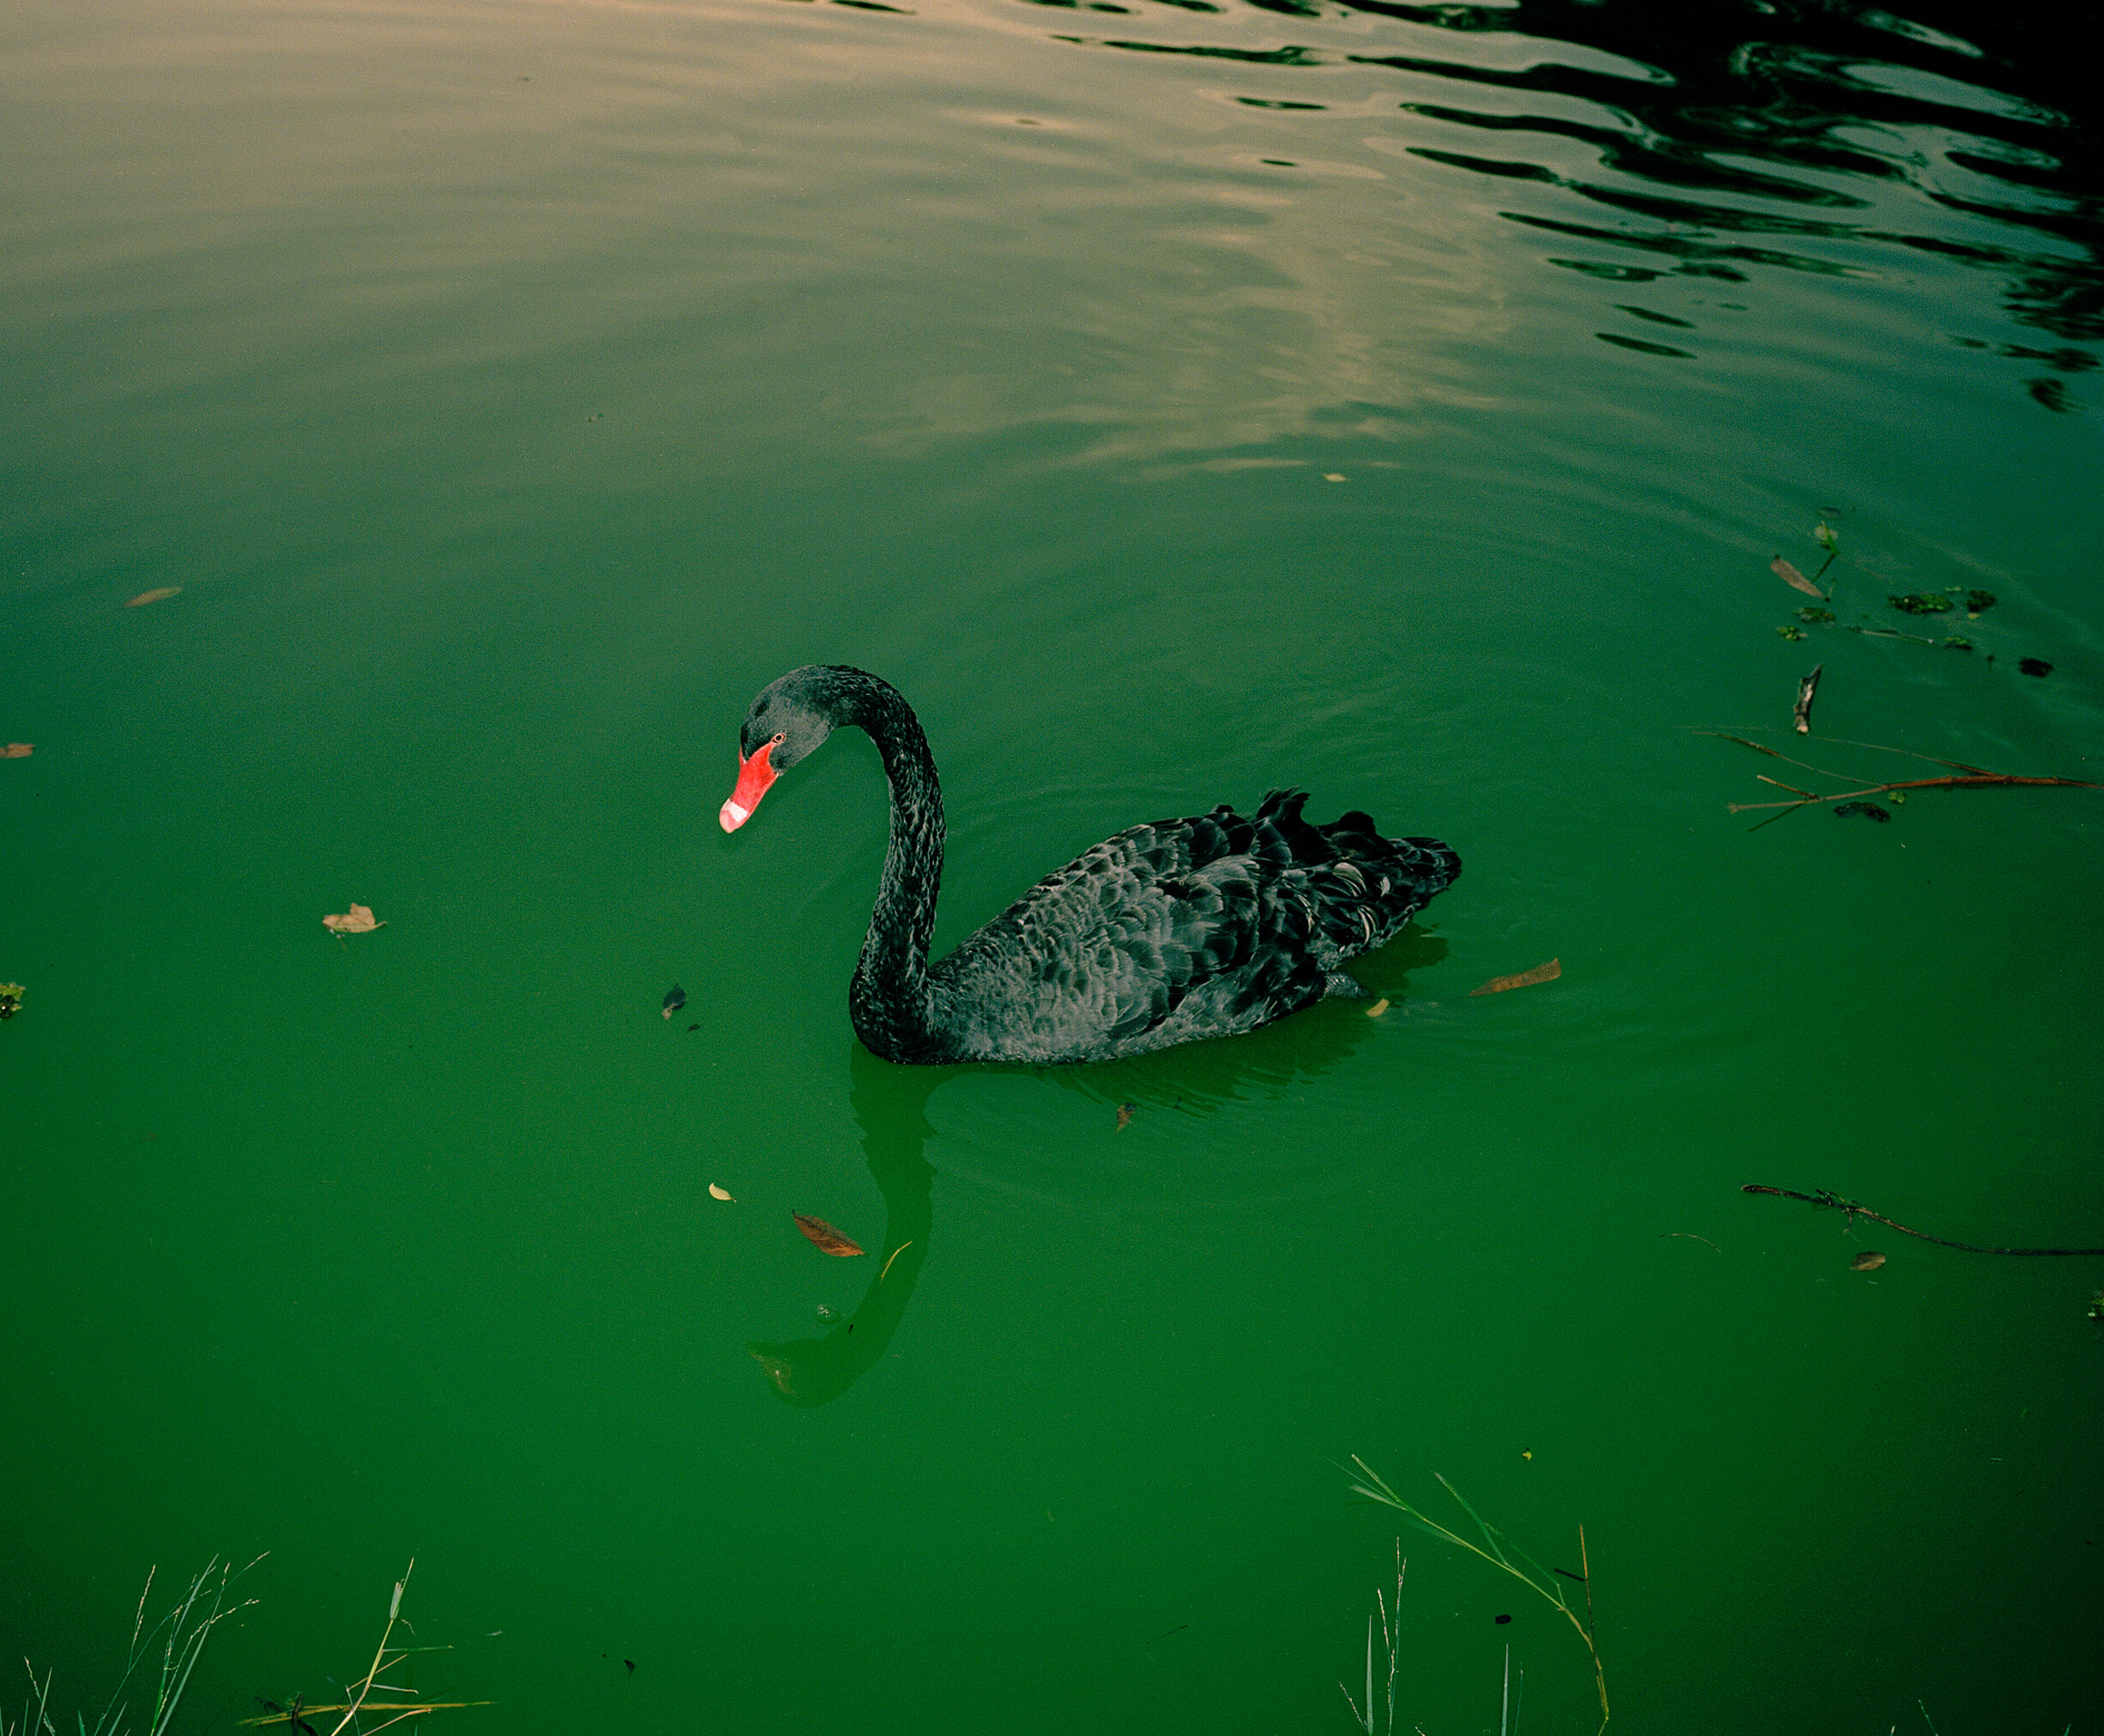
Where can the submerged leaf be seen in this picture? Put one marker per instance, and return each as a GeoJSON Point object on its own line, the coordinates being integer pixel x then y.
{"type": "Point", "coordinates": [1788, 572]}
{"type": "Point", "coordinates": [356, 920]}
{"type": "Point", "coordinates": [1124, 1115]}
{"type": "Point", "coordinates": [1866, 1262]}
{"type": "Point", "coordinates": [17, 750]}
{"type": "Point", "coordinates": [154, 596]}
{"type": "Point", "coordinates": [1870, 810]}
{"type": "Point", "coordinates": [719, 1193]}
{"type": "Point", "coordinates": [2034, 666]}
{"type": "Point", "coordinates": [1921, 603]}
{"type": "Point", "coordinates": [1526, 978]}
{"type": "Point", "coordinates": [829, 1240]}
{"type": "Point", "coordinates": [1979, 602]}
{"type": "Point", "coordinates": [675, 999]}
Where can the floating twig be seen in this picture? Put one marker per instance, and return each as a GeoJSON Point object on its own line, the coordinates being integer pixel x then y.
{"type": "Point", "coordinates": [1824, 1198]}
{"type": "Point", "coordinates": [1978, 781]}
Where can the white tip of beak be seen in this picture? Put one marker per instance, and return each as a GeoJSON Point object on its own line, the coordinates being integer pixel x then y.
{"type": "Point", "coordinates": [732, 817]}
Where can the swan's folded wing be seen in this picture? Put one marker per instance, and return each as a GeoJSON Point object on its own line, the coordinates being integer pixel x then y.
{"type": "Point", "coordinates": [1113, 944]}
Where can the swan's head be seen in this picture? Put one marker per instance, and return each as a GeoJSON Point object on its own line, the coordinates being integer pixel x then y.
{"type": "Point", "coordinates": [790, 718]}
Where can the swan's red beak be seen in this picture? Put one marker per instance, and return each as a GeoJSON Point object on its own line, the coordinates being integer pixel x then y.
{"type": "Point", "coordinates": [754, 775]}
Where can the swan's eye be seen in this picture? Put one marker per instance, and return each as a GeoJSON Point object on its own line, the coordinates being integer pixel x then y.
{"type": "Point", "coordinates": [778, 740]}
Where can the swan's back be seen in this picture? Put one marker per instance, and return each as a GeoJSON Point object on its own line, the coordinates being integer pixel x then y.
{"type": "Point", "coordinates": [1179, 929]}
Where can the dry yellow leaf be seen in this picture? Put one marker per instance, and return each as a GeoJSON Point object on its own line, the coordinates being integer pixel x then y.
{"type": "Point", "coordinates": [356, 920]}
{"type": "Point", "coordinates": [1376, 1010]}
{"type": "Point", "coordinates": [719, 1193]}
{"type": "Point", "coordinates": [155, 596]}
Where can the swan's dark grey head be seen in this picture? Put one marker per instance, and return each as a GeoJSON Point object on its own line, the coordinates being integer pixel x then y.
{"type": "Point", "coordinates": [790, 718]}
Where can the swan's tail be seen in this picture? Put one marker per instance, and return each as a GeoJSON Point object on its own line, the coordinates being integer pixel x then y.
{"type": "Point", "coordinates": [1363, 887]}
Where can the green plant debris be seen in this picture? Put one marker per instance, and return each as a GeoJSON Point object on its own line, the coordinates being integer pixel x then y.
{"type": "Point", "coordinates": [1977, 603]}
{"type": "Point", "coordinates": [1499, 1553]}
{"type": "Point", "coordinates": [1814, 614]}
{"type": "Point", "coordinates": [10, 998]}
{"type": "Point", "coordinates": [1957, 642]}
{"type": "Point", "coordinates": [1921, 603]}
{"type": "Point", "coordinates": [1790, 632]}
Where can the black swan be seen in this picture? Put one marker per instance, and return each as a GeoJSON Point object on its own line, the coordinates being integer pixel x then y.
{"type": "Point", "coordinates": [1183, 929]}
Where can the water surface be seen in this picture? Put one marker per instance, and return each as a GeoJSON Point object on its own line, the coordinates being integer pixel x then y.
{"type": "Point", "coordinates": [1173, 400]}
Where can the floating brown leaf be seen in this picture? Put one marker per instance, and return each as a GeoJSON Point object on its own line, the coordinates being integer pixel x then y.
{"type": "Point", "coordinates": [1124, 1115]}
{"type": "Point", "coordinates": [155, 596]}
{"type": "Point", "coordinates": [719, 1193]}
{"type": "Point", "coordinates": [17, 750]}
{"type": "Point", "coordinates": [1866, 1262]}
{"type": "Point", "coordinates": [829, 1240]}
{"type": "Point", "coordinates": [1526, 978]}
{"type": "Point", "coordinates": [356, 920]}
{"type": "Point", "coordinates": [1790, 575]}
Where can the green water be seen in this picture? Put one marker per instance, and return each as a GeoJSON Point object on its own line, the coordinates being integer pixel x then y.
{"type": "Point", "coordinates": [1173, 402]}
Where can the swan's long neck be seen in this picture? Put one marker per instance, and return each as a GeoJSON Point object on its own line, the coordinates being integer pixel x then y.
{"type": "Point", "coordinates": [889, 1003]}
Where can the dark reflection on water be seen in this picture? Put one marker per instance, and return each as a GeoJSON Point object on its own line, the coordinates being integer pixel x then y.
{"type": "Point", "coordinates": [890, 1106]}
{"type": "Point", "coordinates": [1729, 140]}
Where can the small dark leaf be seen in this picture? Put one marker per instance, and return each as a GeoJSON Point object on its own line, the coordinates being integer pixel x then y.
{"type": "Point", "coordinates": [2035, 665]}
{"type": "Point", "coordinates": [1921, 603]}
{"type": "Point", "coordinates": [1866, 1262]}
{"type": "Point", "coordinates": [1813, 613]}
{"type": "Point", "coordinates": [1979, 602]}
{"type": "Point", "coordinates": [675, 999]}
{"type": "Point", "coordinates": [1870, 810]}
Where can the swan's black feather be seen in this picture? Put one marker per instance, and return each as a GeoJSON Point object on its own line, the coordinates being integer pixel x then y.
{"type": "Point", "coordinates": [1197, 927]}
{"type": "Point", "coordinates": [1177, 930]}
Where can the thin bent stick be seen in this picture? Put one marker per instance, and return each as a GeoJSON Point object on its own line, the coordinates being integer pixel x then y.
{"type": "Point", "coordinates": [1759, 747]}
{"type": "Point", "coordinates": [1876, 747]}
{"type": "Point", "coordinates": [379, 1657]}
{"type": "Point", "coordinates": [1793, 788]}
{"type": "Point", "coordinates": [1984, 780]}
{"type": "Point", "coordinates": [1856, 1211]}
{"type": "Point", "coordinates": [1838, 741]}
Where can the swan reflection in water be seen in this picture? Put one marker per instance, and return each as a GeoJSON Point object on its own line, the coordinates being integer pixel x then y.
{"type": "Point", "coordinates": [890, 1104]}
